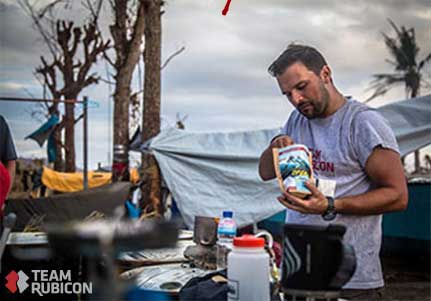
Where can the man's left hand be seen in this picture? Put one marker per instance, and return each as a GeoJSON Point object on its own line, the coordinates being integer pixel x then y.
{"type": "Point", "coordinates": [316, 203]}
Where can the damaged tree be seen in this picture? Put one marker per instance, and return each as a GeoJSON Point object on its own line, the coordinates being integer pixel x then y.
{"type": "Point", "coordinates": [72, 67]}
{"type": "Point", "coordinates": [127, 36]}
{"type": "Point", "coordinates": [128, 32]}
{"type": "Point", "coordinates": [409, 70]}
{"type": "Point", "coordinates": [74, 72]}
{"type": "Point", "coordinates": [151, 106]}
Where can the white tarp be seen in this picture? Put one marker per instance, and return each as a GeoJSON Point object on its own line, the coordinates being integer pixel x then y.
{"type": "Point", "coordinates": [411, 122]}
{"type": "Point", "coordinates": [211, 172]}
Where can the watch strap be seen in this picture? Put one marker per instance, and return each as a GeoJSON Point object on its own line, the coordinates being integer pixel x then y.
{"type": "Point", "coordinates": [330, 212]}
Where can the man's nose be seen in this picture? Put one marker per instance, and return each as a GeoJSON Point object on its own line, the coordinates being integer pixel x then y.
{"type": "Point", "coordinates": [296, 97]}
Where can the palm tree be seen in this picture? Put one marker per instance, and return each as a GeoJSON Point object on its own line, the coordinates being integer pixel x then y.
{"type": "Point", "coordinates": [408, 71]}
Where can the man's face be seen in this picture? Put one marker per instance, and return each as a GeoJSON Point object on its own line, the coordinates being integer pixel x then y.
{"type": "Point", "coordinates": [305, 90]}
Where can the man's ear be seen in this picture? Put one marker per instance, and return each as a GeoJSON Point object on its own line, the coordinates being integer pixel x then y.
{"type": "Point", "coordinates": [326, 74]}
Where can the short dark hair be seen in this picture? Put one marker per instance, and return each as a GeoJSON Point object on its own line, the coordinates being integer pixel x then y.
{"type": "Point", "coordinates": [308, 56]}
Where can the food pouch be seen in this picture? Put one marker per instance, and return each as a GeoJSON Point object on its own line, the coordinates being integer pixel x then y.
{"type": "Point", "coordinates": [293, 167]}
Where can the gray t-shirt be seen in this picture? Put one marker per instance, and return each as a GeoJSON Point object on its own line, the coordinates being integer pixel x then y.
{"type": "Point", "coordinates": [7, 148]}
{"type": "Point", "coordinates": [341, 145]}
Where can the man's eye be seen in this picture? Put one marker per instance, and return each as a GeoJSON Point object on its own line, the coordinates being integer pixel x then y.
{"type": "Point", "coordinates": [302, 86]}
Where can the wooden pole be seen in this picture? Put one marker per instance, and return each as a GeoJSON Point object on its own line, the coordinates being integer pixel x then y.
{"type": "Point", "coordinates": [85, 105]}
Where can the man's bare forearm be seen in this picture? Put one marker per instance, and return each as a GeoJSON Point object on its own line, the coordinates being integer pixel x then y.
{"type": "Point", "coordinates": [266, 165]}
{"type": "Point", "coordinates": [377, 201]}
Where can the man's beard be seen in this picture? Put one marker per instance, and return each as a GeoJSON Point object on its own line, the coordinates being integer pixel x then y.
{"type": "Point", "coordinates": [314, 108]}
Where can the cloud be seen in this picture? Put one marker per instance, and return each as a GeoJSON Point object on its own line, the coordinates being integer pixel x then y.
{"type": "Point", "coordinates": [221, 79]}
{"type": "Point", "coordinates": [13, 86]}
{"type": "Point", "coordinates": [230, 58]}
{"type": "Point", "coordinates": [15, 24]}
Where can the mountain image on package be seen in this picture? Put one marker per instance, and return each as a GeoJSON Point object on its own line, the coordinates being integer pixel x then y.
{"type": "Point", "coordinates": [293, 167]}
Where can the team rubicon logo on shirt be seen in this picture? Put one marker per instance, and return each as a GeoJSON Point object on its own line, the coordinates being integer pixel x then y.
{"type": "Point", "coordinates": [319, 164]}
{"type": "Point", "coordinates": [45, 282]}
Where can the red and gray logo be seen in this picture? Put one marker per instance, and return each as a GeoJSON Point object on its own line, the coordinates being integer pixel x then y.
{"type": "Point", "coordinates": [16, 281]}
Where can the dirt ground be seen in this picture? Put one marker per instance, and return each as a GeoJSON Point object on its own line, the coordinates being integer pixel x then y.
{"type": "Point", "coordinates": [407, 278]}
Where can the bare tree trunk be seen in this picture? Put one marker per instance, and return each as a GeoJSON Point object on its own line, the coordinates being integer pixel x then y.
{"type": "Point", "coordinates": [127, 51]}
{"type": "Point", "coordinates": [152, 59]}
{"type": "Point", "coordinates": [121, 127]}
{"type": "Point", "coordinates": [121, 111]}
{"type": "Point", "coordinates": [70, 136]}
{"type": "Point", "coordinates": [58, 163]}
{"type": "Point", "coordinates": [151, 109]}
{"type": "Point", "coordinates": [415, 92]}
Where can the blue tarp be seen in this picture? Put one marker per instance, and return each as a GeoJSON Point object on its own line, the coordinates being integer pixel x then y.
{"type": "Point", "coordinates": [43, 133]}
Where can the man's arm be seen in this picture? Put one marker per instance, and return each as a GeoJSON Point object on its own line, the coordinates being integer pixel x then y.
{"type": "Point", "coordinates": [11, 166]}
{"type": "Point", "coordinates": [266, 165]}
{"type": "Point", "coordinates": [384, 168]}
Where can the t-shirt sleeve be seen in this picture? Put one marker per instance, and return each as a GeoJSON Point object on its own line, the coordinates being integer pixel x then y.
{"type": "Point", "coordinates": [8, 152]}
{"type": "Point", "coordinates": [369, 131]}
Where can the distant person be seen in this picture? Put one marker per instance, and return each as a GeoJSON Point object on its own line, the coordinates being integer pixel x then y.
{"type": "Point", "coordinates": [351, 144]}
{"type": "Point", "coordinates": [7, 162]}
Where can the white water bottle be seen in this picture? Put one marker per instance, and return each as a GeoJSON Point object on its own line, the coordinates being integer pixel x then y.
{"type": "Point", "coordinates": [248, 270]}
{"type": "Point", "coordinates": [226, 231]}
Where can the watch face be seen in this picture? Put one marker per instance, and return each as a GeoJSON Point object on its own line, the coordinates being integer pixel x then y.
{"type": "Point", "coordinates": [329, 216]}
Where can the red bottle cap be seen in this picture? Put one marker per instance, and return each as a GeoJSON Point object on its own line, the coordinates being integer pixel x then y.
{"type": "Point", "coordinates": [249, 241]}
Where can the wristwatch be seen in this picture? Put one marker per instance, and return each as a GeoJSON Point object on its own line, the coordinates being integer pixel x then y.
{"type": "Point", "coordinates": [330, 212]}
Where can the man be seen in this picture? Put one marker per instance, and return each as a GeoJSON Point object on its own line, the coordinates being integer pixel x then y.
{"type": "Point", "coordinates": [352, 145]}
{"type": "Point", "coordinates": [7, 161]}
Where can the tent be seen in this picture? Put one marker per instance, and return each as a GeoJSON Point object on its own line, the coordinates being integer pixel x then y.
{"type": "Point", "coordinates": [210, 172]}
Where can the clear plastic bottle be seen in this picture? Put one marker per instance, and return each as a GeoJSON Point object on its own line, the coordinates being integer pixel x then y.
{"type": "Point", "coordinates": [226, 231]}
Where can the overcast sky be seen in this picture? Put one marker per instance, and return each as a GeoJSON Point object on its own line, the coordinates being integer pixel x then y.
{"type": "Point", "coordinates": [220, 81]}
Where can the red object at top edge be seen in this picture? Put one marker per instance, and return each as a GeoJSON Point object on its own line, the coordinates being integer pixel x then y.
{"type": "Point", "coordinates": [249, 241]}
{"type": "Point", "coordinates": [226, 8]}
